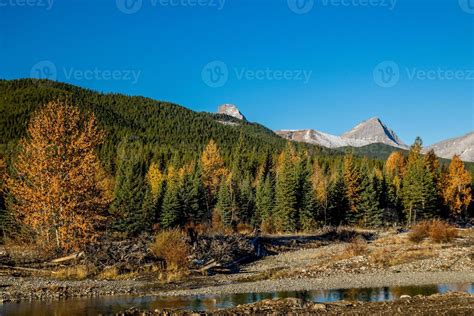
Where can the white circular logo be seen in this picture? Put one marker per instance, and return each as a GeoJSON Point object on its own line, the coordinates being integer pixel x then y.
{"type": "Point", "coordinates": [301, 6]}
{"type": "Point", "coordinates": [387, 74]}
{"type": "Point", "coordinates": [129, 6]}
{"type": "Point", "coordinates": [467, 6]}
{"type": "Point", "coordinates": [44, 70]}
{"type": "Point", "coordinates": [215, 74]}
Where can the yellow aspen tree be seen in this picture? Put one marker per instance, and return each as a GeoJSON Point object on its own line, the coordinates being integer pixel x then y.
{"type": "Point", "coordinates": [457, 190]}
{"type": "Point", "coordinates": [56, 185]}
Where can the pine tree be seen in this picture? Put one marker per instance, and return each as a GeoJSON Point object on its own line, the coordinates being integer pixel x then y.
{"type": "Point", "coordinates": [418, 190]}
{"type": "Point", "coordinates": [369, 200]}
{"type": "Point", "coordinates": [338, 205]}
{"type": "Point", "coordinates": [307, 203]}
{"type": "Point", "coordinates": [56, 189]}
{"type": "Point", "coordinates": [133, 208]}
{"type": "Point", "coordinates": [286, 213]}
{"type": "Point", "coordinates": [172, 213]}
{"type": "Point", "coordinates": [353, 180]}
{"type": "Point", "coordinates": [264, 200]}
{"type": "Point", "coordinates": [246, 201]}
{"type": "Point", "coordinates": [457, 193]}
{"type": "Point", "coordinates": [321, 191]}
{"type": "Point", "coordinates": [224, 203]}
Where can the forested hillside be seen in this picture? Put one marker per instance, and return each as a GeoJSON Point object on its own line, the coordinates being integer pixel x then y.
{"type": "Point", "coordinates": [136, 165]}
{"type": "Point", "coordinates": [164, 129]}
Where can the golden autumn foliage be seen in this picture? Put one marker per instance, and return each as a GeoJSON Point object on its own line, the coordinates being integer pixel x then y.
{"type": "Point", "coordinates": [212, 168]}
{"type": "Point", "coordinates": [457, 187]}
{"type": "Point", "coordinates": [155, 180]}
{"type": "Point", "coordinates": [395, 165]}
{"type": "Point", "coordinates": [352, 179]}
{"type": "Point", "coordinates": [57, 186]}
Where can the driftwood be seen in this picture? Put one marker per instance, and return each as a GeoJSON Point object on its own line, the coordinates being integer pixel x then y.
{"type": "Point", "coordinates": [68, 258]}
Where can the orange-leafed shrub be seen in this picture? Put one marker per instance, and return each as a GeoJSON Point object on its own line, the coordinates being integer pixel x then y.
{"type": "Point", "coordinates": [171, 245]}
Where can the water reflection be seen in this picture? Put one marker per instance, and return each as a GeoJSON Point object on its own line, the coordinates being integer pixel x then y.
{"type": "Point", "coordinates": [112, 305]}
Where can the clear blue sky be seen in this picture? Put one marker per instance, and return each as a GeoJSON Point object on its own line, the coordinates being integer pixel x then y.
{"type": "Point", "coordinates": [166, 45]}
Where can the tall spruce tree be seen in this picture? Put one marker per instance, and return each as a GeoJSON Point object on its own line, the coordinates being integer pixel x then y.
{"type": "Point", "coordinates": [132, 211]}
{"type": "Point", "coordinates": [286, 196]}
{"type": "Point", "coordinates": [307, 199]}
{"type": "Point", "coordinates": [338, 205]}
{"type": "Point", "coordinates": [369, 204]}
{"type": "Point", "coordinates": [172, 213]}
{"type": "Point", "coordinates": [224, 203]}
{"type": "Point", "coordinates": [353, 180]}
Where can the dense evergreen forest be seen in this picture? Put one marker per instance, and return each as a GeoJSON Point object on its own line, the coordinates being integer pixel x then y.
{"type": "Point", "coordinates": [164, 166]}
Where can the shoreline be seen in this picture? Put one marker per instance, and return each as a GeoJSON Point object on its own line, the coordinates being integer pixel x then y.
{"type": "Point", "coordinates": [344, 281]}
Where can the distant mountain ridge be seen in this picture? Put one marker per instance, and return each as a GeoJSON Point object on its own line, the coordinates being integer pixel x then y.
{"type": "Point", "coordinates": [462, 146]}
{"type": "Point", "coordinates": [368, 132]}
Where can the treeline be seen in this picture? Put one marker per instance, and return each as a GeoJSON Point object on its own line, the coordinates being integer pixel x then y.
{"type": "Point", "coordinates": [70, 178]}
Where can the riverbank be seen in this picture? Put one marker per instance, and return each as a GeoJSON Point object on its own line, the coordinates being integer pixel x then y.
{"type": "Point", "coordinates": [446, 304]}
{"type": "Point", "coordinates": [303, 263]}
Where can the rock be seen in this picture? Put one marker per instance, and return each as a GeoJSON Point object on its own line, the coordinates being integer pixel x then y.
{"type": "Point", "coordinates": [231, 110]}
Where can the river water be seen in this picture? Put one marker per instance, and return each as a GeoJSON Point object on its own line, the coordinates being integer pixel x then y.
{"type": "Point", "coordinates": [112, 305]}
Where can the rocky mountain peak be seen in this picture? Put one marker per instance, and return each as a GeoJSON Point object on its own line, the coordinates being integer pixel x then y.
{"type": "Point", "coordinates": [231, 110]}
{"type": "Point", "coordinates": [374, 131]}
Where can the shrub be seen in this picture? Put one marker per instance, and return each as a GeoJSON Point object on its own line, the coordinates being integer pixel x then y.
{"type": "Point", "coordinates": [356, 247]}
{"type": "Point", "coordinates": [244, 229]}
{"type": "Point", "coordinates": [442, 232]}
{"type": "Point", "coordinates": [419, 232]}
{"type": "Point", "coordinates": [437, 230]}
{"type": "Point", "coordinates": [171, 245]}
{"type": "Point", "coordinates": [267, 226]}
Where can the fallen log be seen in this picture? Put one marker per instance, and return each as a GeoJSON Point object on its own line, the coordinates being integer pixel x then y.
{"type": "Point", "coordinates": [68, 258]}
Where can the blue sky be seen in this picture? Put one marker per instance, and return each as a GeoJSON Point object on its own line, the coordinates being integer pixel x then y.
{"type": "Point", "coordinates": [288, 64]}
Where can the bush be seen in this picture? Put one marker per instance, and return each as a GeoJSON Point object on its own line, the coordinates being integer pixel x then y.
{"type": "Point", "coordinates": [442, 232]}
{"type": "Point", "coordinates": [171, 245]}
{"type": "Point", "coordinates": [356, 247]}
{"type": "Point", "coordinates": [437, 230]}
{"type": "Point", "coordinates": [244, 229]}
{"type": "Point", "coordinates": [419, 232]}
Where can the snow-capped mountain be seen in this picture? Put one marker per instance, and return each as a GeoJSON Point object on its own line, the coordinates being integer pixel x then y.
{"type": "Point", "coordinates": [462, 146]}
{"type": "Point", "coordinates": [368, 132]}
{"type": "Point", "coordinates": [231, 110]}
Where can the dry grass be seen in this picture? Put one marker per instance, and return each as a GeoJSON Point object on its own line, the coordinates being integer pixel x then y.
{"type": "Point", "coordinates": [438, 231]}
{"type": "Point", "coordinates": [171, 245]}
{"type": "Point", "coordinates": [357, 247]}
{"type": "Point", "coordinates": [79, 272]}
{"type": "Point", "coordinates": [388, 257]}
{"type": "Point", "coordinates": [109, 273]}
{"type": "Point", "coordinates": [442, 232]}
{"type": "Point", "coordinates": [244, 229]}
